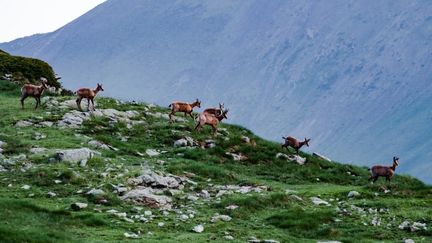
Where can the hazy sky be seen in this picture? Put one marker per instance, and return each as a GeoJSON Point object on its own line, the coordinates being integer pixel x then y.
{"type": "Point", "coordinates": [19, 18]}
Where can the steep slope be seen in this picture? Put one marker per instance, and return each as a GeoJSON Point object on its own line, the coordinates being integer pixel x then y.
{"type": "Point", "coordinates": [136, 175]}
{"type": "Point", "coordinates": [352, 75]}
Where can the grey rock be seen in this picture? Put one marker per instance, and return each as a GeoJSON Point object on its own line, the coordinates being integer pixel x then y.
{"type": "Point", "coordinates": [75, 155]}
{"type": "Point", "coordinates": [23, 124]}
{"type": "Point", "coordinates": [181, 143]}
{"type": "Point", "coordinates": [319, 201]}
{"type": "Point", "coordinates": [95, 192]}
{"type": "Point", "coordinates": [216, 218]}
{"type": "Point", "coordinates": [152, 152]}
{"type": "Point", "coordinates": [78, 206]}
{"type": "Point", "coordinates": [198, 228]}
{"type": "Point", "coordinates": [352, 194]}
{"type": "Point", "coordinates": [146, 196]}
{"type": "Point", "coordinates": [38, 150]}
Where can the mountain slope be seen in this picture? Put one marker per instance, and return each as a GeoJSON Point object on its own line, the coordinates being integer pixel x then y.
{"type": "Point", "coordinates": [352, 75]}
{"type": "Point", "coordinates": [178, 187]}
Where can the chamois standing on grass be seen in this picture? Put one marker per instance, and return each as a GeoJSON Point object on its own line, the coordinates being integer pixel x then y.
{"type": "Point", "coordinates": [89, 94]}
{"type": "Point", "coordinates": [187, 108]}
{"type": "Point", "coordinates": [384, 171]}
{"type": "Point", "coordinates": [211, 120]}
{"type": "Point", "coordinates": [34, 91]}
{"type": "Point", "coordinates": [294, 143]}
{"type": "Point", "coordinates": [215, 111]}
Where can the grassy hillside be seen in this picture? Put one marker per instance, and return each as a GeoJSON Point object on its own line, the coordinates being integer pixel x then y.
{"type": "Point", "coordinates": [279, 207]}
{"type": "Point", "coordinates": [26, 70]}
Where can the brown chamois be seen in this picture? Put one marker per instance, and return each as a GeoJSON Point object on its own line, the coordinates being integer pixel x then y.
{"type": "Point", "coordinates": [187, 108]}
{"type": "Point", "coordinates": [211, 120]}
{"type": "Point", "coordinates": [294, 143]}
{"type": "Point", "coordinates": [384, 171]}
{"type": "Point", "coordinates": [34, 91]}
{"type": "Point", "coordinates": [215, 111]}
{"type": "Point", "coordinates": [89, 94]}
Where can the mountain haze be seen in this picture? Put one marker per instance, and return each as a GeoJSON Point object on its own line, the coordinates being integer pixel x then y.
{"type": "Point", "coordinates": [355, 76]}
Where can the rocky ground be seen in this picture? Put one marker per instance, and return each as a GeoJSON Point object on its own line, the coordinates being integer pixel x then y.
{"type": "Point", "coordinates": [124, 172]}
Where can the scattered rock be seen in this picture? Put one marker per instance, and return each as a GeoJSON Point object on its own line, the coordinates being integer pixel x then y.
{"type": "Point", "coordinates": [418, 226]}
{"type": "Point", "coordinates": [209, 143]}
{"type": "Point", "coordinates": [51, 194]}
{"type": "Point", "coordinates": [38, 150]}
{"type": "Point", "coordinates": [181, 143]}
{"type": "Point", "coordinates": [95, 192]}
{"type": "Point", "coordinates": [245, 139]}
{"type": "Point", "coordinates": [376, 221]}
{"type": "Point", "coordinates": [146, 196]}
{"type": "Point", "coordinates": [131, 235]}
{"type": "Point", "coordinates": [298, 159]}
{"type": "Point", "coordinates": [408, 241]}
{"type": "Point", "coordinates": [198, 229]}
{"type": "Point", "coordinates": [231, 207]}
{"type": "Point", "coordinates": [39, 136]}
{"type": "Point", "coordinates": [98, 145]}
{"type": "Point", "coordinates": [23, 124]}
{"type": "Point", "coordinates": [405, 224]}
{"type": "Point", "coordinates": [152, 152]}
{"type": "Point", "coordinates": [228, 237]}
{"type": "Point", "coordinates": [78, 206]}
{"type": "Point", "coordinates": [319, 201]}
{"type": "Point", "coordinates": [75, 155]}
{"type": "Point", "coordinates": [205, 194]}
{"type": "Point", "coordinates": [321, 156]}
{"type": "Point", "coordinates": [352, 194]}
{"type": "Point", "coordinates": [26, 187]}
{"type": "Point", "coordinates": [216, 218]}
{"type": "Point", "coordinates": [184, 142]}
{"type": "Point", "coordinates": [151, 178]}
{"type": "Point", "coordinates": [236, 157]}
{"type": "Point", "coordinates": [161, 224]}
{"type": "Point", "coordinates": [331, 241]}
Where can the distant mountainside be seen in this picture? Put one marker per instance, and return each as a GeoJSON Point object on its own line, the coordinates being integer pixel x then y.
{"type": "Point", "coordinates": [355, 76]}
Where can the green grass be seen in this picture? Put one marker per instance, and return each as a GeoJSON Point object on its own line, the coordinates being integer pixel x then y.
{"type": "Point", "coordinates": [32, 216]}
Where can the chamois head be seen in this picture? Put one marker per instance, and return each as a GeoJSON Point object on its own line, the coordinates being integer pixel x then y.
{"type": "Point", "coordinates": [396, 161]}
{"type": "Point", "coordinates": [306, 141]}
{"type": "Point", "coordinates": [224, 114]}
{"type": "Point", "coordinates": [221, 106]}
{"type": "Point", "coordinates": [99, 87]}
{"type": "Point", "coordinates": [197, 103]}
{"type": "Point", "coordinates": [44, 84]}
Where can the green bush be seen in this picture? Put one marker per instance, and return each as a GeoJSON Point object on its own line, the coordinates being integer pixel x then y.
{"type": "Point", "coordinates": [26, 69]}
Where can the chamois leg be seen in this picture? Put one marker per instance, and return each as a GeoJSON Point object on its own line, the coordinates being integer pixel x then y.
{"type": "Point", "coordinates": [37, 103]}
{"type": "Point", "coordinates": [92, 101]}
{"type": "Point", "coordinates": [88, 104]}
{"type": "Point", "coordinates": [190, 114]}
{"type": "Point", "coordinates": [78, 101]}
{"type": "Point", "coordinates": [214, 130]}
{"type": "Point", "coordinates": [171, 116]}
{"type": "Point", "coordinates": [23, 97]}
{"type": "Point", "coordinates": [375, 179]}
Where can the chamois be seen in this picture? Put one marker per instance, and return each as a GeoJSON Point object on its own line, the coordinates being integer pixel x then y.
{"type": "Point", "coordinates": [34, 91]}
{"type": "Point", "coordinates": [294, 143]}
{"type": "Point", "coordinates": [187, 108]}
{"type": "Point", "coordinates": [384, 171]}
{"type": "Point", "coordinates": [215, 111]}
{"type": "Point", "coordinates": [89, 94]}
{"type": "Point", "coordinates": [211, 120]}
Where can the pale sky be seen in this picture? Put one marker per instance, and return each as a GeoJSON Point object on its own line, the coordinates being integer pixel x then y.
{"type": "Point", "coordinates": [19, 18]}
